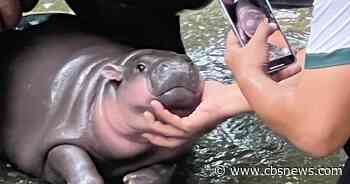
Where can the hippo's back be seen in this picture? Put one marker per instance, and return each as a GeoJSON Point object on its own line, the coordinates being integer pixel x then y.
{"type": "Point", "coordinates": [45, 73]}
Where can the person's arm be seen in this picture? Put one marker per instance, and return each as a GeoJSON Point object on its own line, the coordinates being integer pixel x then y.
{"type": "Point", "coordinates": [313, 114]}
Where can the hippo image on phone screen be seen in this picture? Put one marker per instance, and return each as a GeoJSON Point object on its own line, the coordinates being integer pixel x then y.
{"type": "Point", "coordinates": [249, 17]}
{"type": "Point", "coordinates": [73, 104]}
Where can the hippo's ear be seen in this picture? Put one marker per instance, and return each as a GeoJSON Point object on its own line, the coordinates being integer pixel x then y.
{"type": "Point", "coordinates": [113, 72]}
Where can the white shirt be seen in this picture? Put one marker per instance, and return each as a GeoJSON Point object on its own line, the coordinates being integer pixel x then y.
{"type": "Point", "coordinates": [330, 26]}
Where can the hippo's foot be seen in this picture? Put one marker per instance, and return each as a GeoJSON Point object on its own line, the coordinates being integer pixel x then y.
{"type": "Point", "coordinates": [156, 174]}
{"type": "Point", "coordinates": [72, 165]}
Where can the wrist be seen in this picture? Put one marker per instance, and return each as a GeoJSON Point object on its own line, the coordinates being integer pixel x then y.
{"type": "Point", "coordinates": [248, 74]}
{"type": "Point", "coordinates": [237, 103]}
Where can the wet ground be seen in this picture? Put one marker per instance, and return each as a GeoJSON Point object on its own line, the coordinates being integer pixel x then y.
{"type": "Point", "coordinates": [9, 175]}
{"type": "Point", "coordinates": [242, 141]}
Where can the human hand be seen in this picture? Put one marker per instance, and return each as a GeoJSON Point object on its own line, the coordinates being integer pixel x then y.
{"type": "Point", "coordinates": [219, 102]}
{"type": "Point", "coordinates": [10, 14]}
{"type": "Point", "coordinates": [249, 61]}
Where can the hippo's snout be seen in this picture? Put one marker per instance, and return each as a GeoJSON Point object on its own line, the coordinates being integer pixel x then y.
{"type": "Point", "coordinates": [176, 82]}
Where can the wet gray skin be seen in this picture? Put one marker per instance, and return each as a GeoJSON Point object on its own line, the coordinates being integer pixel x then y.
{"type": "Point", "coordinates": [175, 83]}
{"type": "Point", "coordinates": [74, 103]}
{"type": "Point", "coordinates": [135, 22]}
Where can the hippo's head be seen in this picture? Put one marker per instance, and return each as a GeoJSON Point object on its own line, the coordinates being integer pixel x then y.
{"type": "Point", "coordinates": [131, 85]}
{"type": "Point", "coordinates": [162, 75]}
{"type": "Point", "coordinates": [147, 75]}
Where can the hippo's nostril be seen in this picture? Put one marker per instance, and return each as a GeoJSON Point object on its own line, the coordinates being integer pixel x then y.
{"type": "Point", "coordinates": [170, 73]}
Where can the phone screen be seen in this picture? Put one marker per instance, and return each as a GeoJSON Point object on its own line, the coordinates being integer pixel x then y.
{"type": "Point", "coordinates": [245, 17]}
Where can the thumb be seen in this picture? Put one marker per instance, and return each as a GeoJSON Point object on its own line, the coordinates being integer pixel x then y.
{"type": "Point", "coordinates": [232, 47]}
{"type": "Point", "coordinates": [232, 42]}
{"type": "Point", "coordinates": [263, 32]}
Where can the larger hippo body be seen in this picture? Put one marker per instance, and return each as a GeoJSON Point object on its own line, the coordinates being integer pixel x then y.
{"type": "Point", "coordinates": [73, 102]}
{"type": "Point", "coordinates": [134, 22]}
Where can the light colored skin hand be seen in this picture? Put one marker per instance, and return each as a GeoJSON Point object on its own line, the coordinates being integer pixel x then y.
{"type": "Point", "coordinates": [10, 14]}
{"type": "Point", "coordinates": [251, 59]}
{"type": "Point", "coordinates": [173, 131]}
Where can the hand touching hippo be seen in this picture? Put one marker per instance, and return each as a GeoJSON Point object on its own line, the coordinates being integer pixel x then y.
{"type": "Point", "coordinates": [219, 102]}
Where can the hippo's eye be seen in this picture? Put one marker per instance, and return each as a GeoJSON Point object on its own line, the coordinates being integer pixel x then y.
{"type": "Point", "coordinates": [141, 67]}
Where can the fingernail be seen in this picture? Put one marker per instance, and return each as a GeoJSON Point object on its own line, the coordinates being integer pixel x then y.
{"type": "Point", "coordinates": [266, 20]}
{"type": "Point", "coordinates": [147, 136]}
{"type": "Point", "coordinates": [153, 102]}
{"type": "Point", "coordinates": [156, 104]}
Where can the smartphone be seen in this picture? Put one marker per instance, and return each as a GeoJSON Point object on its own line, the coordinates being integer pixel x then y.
{"type": "Point", "coordinates": [245, 17]}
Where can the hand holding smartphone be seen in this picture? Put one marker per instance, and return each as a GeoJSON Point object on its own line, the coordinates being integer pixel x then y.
{"type": "Point", "coordinates": [245, 16]}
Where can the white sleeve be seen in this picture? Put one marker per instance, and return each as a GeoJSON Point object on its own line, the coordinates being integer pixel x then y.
{"type": "Point", "coordinates": [330, 26]}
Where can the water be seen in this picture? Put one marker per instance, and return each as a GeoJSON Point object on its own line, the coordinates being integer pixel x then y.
{"type": "Point", "coordinates": [242, 141]}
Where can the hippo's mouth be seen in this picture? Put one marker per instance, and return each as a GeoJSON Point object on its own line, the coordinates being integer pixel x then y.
{"type": "Point", "coordinates": [180, 100]}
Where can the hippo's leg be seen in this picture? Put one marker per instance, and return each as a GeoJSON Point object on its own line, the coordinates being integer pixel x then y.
{"type": "Point", "coordinates": [72, 165]}
{"type": "Point", "coordinates": [155, 174]}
